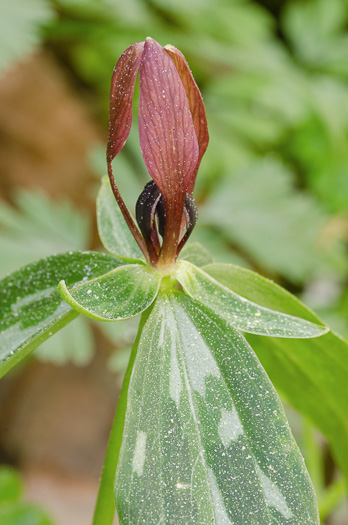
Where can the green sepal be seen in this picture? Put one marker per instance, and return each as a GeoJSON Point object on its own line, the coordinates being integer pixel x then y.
{"type": "Point", "coordinates": [119, 294]}
{"type": "Point", "coordinates": [241, 313]}
{"type": "Point", "coordinates": [113, 230]}
{"type": "Point", "coordinates": [31, 310]}
{"type": "Point", "coordinates": [205, 438]}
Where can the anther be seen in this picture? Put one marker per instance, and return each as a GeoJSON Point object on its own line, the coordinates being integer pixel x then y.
{"type": "Point", "coordinates": [145, 209]}
{"type": "Point", "coordinates": [191, 213]}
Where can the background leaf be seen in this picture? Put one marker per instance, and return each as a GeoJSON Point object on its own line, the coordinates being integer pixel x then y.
{"type": "Point", "coordinates": [38, 227]}
{"type": "Point", "coordinates": [23, 513]}
{"type": "Point", "coordinates": [10, 484]}
{"type": "Point", "coordinates": [21, 28]}
{"type": "Point", "coordinates": [13, 511]}
{"type": "Point", "coordinates": [268, 213]}
{"type": "Point", "coordinates": [75, 344]}
{"type": "Point", "coordinates": [312, 27]}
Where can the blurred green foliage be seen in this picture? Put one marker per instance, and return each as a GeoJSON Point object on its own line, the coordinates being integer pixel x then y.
{"type": "Point", "coordinates": [13, 510]}
{"type": "Point", "coordinates": [21, 28]}
{"type": "Point", "coordinates": [38, 227]}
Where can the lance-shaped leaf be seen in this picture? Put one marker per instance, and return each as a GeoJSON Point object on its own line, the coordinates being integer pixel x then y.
{"type": "Point", "coordinates": [243, 314]}
{"type": "Point", "coordinates": [196, 105]}
{"type": "Point", "coordinates": [112, 227]}
{"type": "Point", "coordinates": [311, 373]}
{"type": "Point", "coordinates": [205, 437]}
{"type": "Point", "coordinates": [121, 98]}
{"type": "Point", "coordinates": [119, 294]}
{"type": "Point", "coordinates": [31, 310]}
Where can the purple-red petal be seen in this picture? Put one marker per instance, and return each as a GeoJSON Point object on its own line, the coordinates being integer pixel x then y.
{"type": "Point", "coordinates": [121, 98]}
{"type": "Point", "coordinates": [195, 102]}
{"type": "Point", "coordinates": [167, 135]}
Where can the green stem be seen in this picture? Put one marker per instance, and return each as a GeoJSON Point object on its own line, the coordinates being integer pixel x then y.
{"type": "Point", "coordinates": [105, 507]}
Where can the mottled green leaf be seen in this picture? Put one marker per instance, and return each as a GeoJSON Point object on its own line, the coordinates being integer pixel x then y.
{"type": "Point", "coordinates": [119, 294]}
{"type": "Point", "coordinates": [243, 314]}
{"type": "Point", "coordinates": [113, 230]}
{"type": "Point", "coordinates": [311, 373]}
{"type": "Point", "coordinates": [205, 437]}
{"type": "Point", "coordinates": [31, 309]}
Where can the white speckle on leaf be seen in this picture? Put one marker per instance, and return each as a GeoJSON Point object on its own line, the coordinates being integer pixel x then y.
{"type": "Point", "coordinates": [139, 453]}
{"type": "Point", "coordinates": [175, 383]}
{"type": "Point", "coordinates": [273, 495]}
{"type": "Point", "coordinates": [182, 486]}
{"type": "Point", "coordinates": [230, 427]}
{"type": "Point", "coordinates": [200, 362]}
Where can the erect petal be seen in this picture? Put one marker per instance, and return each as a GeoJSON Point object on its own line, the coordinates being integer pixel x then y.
{"type": "Point", "coordinates": [195, 102]}
{"type": "Point", "coordinates": [121, 98]}
{"type": "Point", "coordinates": [167, 135]}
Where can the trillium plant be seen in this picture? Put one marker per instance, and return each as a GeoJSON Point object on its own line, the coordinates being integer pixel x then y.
{"type": "Point", "coordinates": [200, 436]}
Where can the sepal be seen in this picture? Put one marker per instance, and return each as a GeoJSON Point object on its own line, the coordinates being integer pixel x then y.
{"type": "Point", "coordinates": [241, 313]}
{"type": "Point", "coordinates": [119, 294]}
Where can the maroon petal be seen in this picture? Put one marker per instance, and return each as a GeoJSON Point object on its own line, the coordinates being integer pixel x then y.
{"type": "Point", "coordinates": [167, 136]}
{"type": "Point", "coordinates": [195, 102]}
{"type": "Point", "coordinates": [121, 98]}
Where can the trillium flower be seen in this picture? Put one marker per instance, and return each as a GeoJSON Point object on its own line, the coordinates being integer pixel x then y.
{"type": "Point", "coordinates": [173, 137]}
